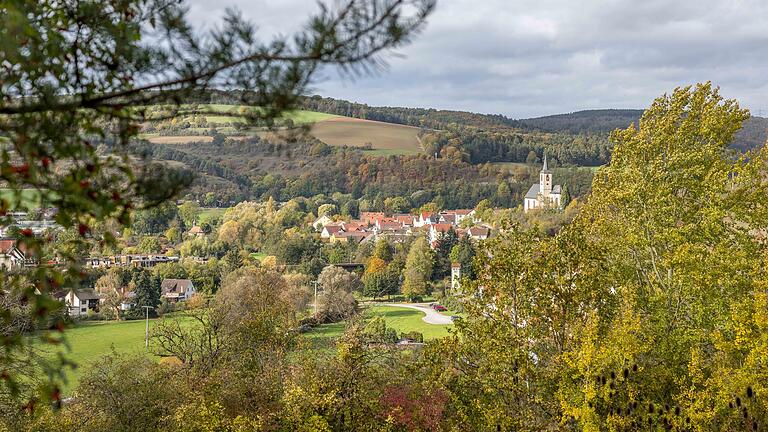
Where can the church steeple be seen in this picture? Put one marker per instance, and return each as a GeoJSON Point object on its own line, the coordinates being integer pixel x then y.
{"type": "Point", "coordinates": [545, 179]}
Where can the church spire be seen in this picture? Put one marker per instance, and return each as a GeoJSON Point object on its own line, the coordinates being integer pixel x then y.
{"type": "Point", "coordinates": [545, 161]}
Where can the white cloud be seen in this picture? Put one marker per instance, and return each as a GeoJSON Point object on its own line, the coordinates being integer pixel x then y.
{"type": "Point", "coordinates": [535, 57]}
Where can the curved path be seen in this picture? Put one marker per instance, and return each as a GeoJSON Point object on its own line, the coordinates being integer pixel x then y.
{"type": "Point", "coordinates": [432, 316]}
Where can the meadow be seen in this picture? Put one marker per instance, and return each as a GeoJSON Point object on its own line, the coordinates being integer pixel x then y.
{"type": "Point", "coordinates": [89, 341]}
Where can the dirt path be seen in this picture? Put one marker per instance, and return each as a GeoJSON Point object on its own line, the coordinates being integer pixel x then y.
{"type": "Point", "coordinates": [431, 316]}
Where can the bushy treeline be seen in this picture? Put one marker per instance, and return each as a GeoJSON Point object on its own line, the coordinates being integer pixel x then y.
{"type": "Point", "coordinates": [260, 169]}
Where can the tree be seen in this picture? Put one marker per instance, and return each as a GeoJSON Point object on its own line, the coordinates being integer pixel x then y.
{"type": "Point", "coordinates": [503, 194]}
{"type": "Point", "coordinates": [445, 242]}
{"type": "Point", "coordinates": [375, 265]}
{"type": "Point", "coordinates": [335, 302]}
{"type": "Point", "coordinates": [531, 158]}
{"type": "Point", "coordinates": [146, 289]}
{"type": "Point", "coordinates": [382, 282]}
{"type": "Point", "coordinates": [464, 253]}
{"type": "Point", "coordinates": [326, 210]}
{"type": "Point", "coordinates": [149, 244]}
{"type": "Point", "coordinates": [565, 198]}
{"type": "Point", "coordinates": [383, 250]}
{"type": "Point", "coordinates": [418, 269]}
{"type": "Point", "coordinates": [396, 204]}
{"type": "Point", "coordinates": [79, 77]}
{"type": "Point", "coordinates": [110, 286]}
{"type": "Point", "coordinates": [189, 212]}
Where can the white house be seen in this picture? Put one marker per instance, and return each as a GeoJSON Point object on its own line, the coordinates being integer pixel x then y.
{"type": "Point", "coordinates": [478, 232]}
{"type": "Point", "coordinates": [79, 302]}
{"type": "Point", "coordinates": [10, 255]}
{"type": "Point", "coordinates": [425, 219]}
{"type": "Point", "coordinates": [322, 221]}
{"type": "Point", "coordinates": [177, 289]}
{"type": "Point", "coordinates": [544, 194]}
{"type": "Point", "coordinates": [330, 230]}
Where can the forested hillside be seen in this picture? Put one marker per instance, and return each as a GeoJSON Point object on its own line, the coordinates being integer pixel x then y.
{"type": "Point", "coordinates": [260, 168]}
{"type": "Point", "coordinates": [589, 126]}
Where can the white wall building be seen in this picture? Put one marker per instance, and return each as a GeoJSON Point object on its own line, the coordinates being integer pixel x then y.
{"type": "Point", "coordinates": [543, 195]}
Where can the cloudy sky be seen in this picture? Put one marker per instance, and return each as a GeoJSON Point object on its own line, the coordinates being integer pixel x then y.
{"type": "Point", "coordinates": [525, 58]}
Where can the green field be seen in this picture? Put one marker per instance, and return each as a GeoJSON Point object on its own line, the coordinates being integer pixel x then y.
{"type": "Point", "coordinates": [217, 114]}
{"type": "Point", "coordinates": [207, 214]}
{"type": "Point", "coordinates": [406, 320]}
{"type": "Point", "coordinates": [87, 342]}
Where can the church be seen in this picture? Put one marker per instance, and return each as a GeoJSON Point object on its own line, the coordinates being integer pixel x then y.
{"type": "Point", "coordinates": [544, 194]}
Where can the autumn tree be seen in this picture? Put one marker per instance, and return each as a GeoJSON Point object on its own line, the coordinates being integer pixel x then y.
{"type": "Point", "coordinates": [79, 77]}
{"type": "Point", "coordinates": [418, 269]}
{"type": "Point", "coordinates": [335, 302]}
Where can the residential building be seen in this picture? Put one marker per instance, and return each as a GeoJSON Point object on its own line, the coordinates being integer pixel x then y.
{"type": "Point", "coordinates": [321, 222]}
{"type": "Point", "coordinates": [79, 302]}
{"type": "Point", "coordinates": [177, 289]}
{"type": "Point", "coordinates": [479, 232]}
{"type": "Point", "coordinates": [11, 256]}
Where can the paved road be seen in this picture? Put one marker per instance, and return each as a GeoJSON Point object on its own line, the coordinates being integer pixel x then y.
{"type": "Point", "coordinates": [432, 316]}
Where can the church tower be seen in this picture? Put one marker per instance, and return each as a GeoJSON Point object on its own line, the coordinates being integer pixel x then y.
{"type": "Point", "coordinates": [545, 179]}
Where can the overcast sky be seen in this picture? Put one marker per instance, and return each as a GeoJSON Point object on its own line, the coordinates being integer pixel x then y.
{"type": "Point", "coordinates": [525, 58]}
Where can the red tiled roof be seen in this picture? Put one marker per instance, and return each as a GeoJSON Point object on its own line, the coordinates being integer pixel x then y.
{"type": "Point", "coordinates": [442, 227]}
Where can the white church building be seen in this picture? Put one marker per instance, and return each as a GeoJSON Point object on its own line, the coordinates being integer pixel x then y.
{"type": "Point", "coordinates": [543, 195]}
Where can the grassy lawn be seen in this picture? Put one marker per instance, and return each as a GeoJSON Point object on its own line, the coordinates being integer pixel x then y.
{"type": "Point", "coordinates": [406, 320]}
{"type": "Point", "coordinates": [323, 338]}
{"type": "Point", "coordinates": [207, 214]}
{"type": "Point", "coordinates": [91, 340]}
{"type": "Point", "coordinates": [87, 342]}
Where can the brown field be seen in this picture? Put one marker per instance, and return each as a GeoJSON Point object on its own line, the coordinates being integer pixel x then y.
{"type": "Point", "coordinates": [385, 138]}
{"type": "Point", "coordinates": [355, 132]}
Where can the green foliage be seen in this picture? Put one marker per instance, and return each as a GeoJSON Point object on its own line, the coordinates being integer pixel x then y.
{"type": "Point", "coordinates": [464, 253]}
{"type": "Point", "coordinates": [189, 212]}
{"type": "Point", "coordinates": [146, 288]}
{"type": "Point", "coordinates": [418, 269]}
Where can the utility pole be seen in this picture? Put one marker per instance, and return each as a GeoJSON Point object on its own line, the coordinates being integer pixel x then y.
{"type": "Point", "coordinates": [315, 283]}
{"type": "Point", "coordinates": [146, 331]}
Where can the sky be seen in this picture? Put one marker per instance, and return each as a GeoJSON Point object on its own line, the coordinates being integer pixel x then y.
{"type": "Point", "coordinates": [527, 58]}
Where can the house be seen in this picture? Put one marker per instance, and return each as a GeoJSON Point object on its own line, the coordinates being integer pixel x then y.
{"type": "Point", "coordinates": [10, 255]}
{"type": "Point", "coordinates": [79, 302]}
{"type": "Point", "coordinates": [425, 219]}
{"type": "Point", "coordinates": [353, 226]}
{"type": "Point", "coordinates": [177, 289]}
{"type": "Point", "coordinates": [447, 217]}
{"type": "Point", "coordinates": [462, 214]}
{"type": "Point", "coordinates": [349, 237]}
{"type": "Point", "coordinates": [436, 230]}
{"type": "Point", "coordinates": [479, 232]}
{"type": "Point", "coordinates": [388, 224]}
{"type": "Point", "coordinates": [543, 195]}
{"type": "Point", "coordinates": [370, 218]}
{"type": "Point", "coordinates": [196, 231]}
{"type": "Point", "coordinates": [321, 222]}
{"type": "Point", "coordinates": [405, 219]}
{"type": "Point", "coordinates": [330, 230]}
